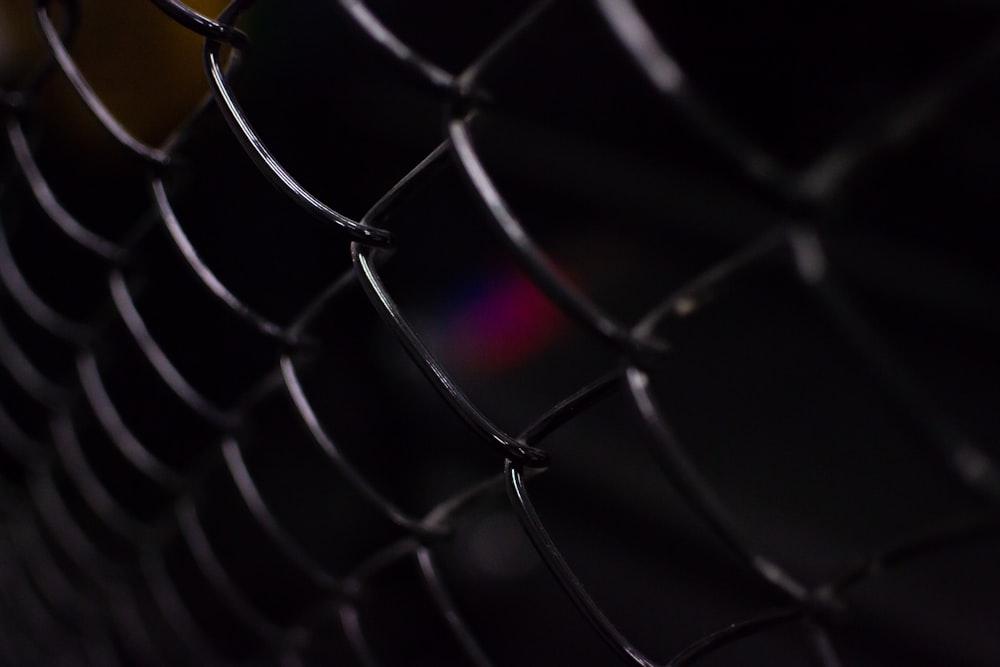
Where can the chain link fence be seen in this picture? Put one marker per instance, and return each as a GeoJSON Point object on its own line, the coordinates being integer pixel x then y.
{"type": "Point", "coordinates": [672, 343]}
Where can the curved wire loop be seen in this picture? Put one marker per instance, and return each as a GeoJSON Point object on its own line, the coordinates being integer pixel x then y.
{"type": "Point", "coordinates": [132, 318]}
{"type": "Point", "coordinates": [822, 181]}
{"type": "Point", "coordinates": [443, 601]}
{"type": "Point", "coordinates": [668, 450]}
{"type": "Point", "coordinates": [26, 450]}
{"type": "Point", "coordinates": [50, 579]}
{"type": "Point", "coordinates": [969, 463]}
{"type": "Point", "coordinates": [299, 327]}
{"type": "Point", "coordinates": [385, 306]}
{"type": "Point", "coordinates": [731, 633]}
{"type": "Point", "coordinates": [134, 631]}
{"type": "Point", "coordinates": [75, 613]}
{"type": "Point", "coordinates": [912, 550]}
{"type": "Point", "coordinates": [66, 531]}
{"type": "Point", "coordinates": [533, 261]}
{"type": "Point", "coordinates": [16, 99]}
{"type": "Point", "coordinates": [24, 371]}
{"type": "Point", "coordinates": [444, 511]}
{"type": "Point", "coordinates": [50, 204]}
{"type": "Point", "coordinates": [35, 614]}
{"type": "Point", "coordinates": [33, 305]}
{"type": "Point", "coordinates": [425, 70]}
{"type": "Point", "coordinates": [97, 397]}
{"type": "Point", "coordinates": [555, 417]}
{"type": "Point", "coordinates": [435, 373]}
{"type": "Point", "coordinates": [350, 623]}
{"type": "Point", "coordinates": [535, 528]}
{"type": "Point", "coordinates": [174, 610]}
{"type": "Point", "coordinates": [90, 487]}
{"type": "Point", "coordinates": [570, 300]}
{"type": "Point", "coordinates": [966, 460]}
{"type": "Point", "coordinates": [259, 154]}
{"type": "Point", "coordinates": [202, 25]}
{"type": "Point", "coordinates": [550, 421]}
{"type": "Point", "coordinates": [251, 496]}
{"type": "Point", "coordinates": [205, 274]}
{"type": "Point", "coordinates": [150, 154]}
{"type": "Point", "coordinates": [208, 563]}
{"type": "Point", "coordinates": [667, 77]}
{"type": "Point", "coordinates": [700, 494]}
{"type": "Point", "coordinates": [38, 594]}
{"type": "Point", "coordinates": [295, 390]}
{"type": "Point", "coordinates": [398, 192]}
{"type": "Point", "coordinates": [545, 546]}
{"type": "Point", "coordinates": [344, 467]}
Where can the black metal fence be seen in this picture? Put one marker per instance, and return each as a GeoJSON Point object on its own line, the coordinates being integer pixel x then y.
{"type": "Point", "coordinates": [702, 297]}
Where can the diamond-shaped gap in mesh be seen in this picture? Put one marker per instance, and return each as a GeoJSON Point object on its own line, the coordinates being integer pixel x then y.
{"type": "Point", "coordinates": [159, 419]}
{"type": "Point", "coordinates": [272, 582]}
{"type": "Point", "coordinates": [216, 351]}
{"type": "Point", "coordinates": [755, 397]}
{"type": "Point", "coordinates": [848, 61]}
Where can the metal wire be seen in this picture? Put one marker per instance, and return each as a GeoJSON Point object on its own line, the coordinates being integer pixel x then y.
{"type": "Point", "coordinates": [74, 605]}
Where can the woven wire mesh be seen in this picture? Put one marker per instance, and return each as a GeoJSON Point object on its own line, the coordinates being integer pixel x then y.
{"type": "Point", "coordinates": [754, 334]}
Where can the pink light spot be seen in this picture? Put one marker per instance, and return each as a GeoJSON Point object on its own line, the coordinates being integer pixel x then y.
{"type": "Point", "coordinates": [507, 322]}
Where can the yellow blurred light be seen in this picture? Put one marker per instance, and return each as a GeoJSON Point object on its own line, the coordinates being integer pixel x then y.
{"type": "Point", "coordinates": [144, 66]}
